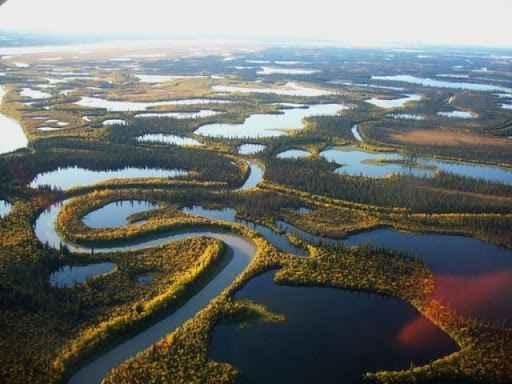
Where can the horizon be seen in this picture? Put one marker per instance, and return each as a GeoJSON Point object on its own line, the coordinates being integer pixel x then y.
{"type": "Point", "coordinates": [258, 192]}
{"type": "Point", "coordinates": [394, 23]}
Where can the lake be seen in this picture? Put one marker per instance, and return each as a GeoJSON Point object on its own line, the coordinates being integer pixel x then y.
{"type": "Point", "coordinates": [13, 136]}
{"type": "Point", "coordinates": [73, 177]}
{"type": "Point", "coordinates": [329, 336]}
{"type": "Point", "coordinates": [136, 106]}
{"type": "Point", "coordinates": [357, 162]}
{"type": "Point", "coordinates": [472, 276]}
{"type": "Point", "coordinates": [269, 125]}
{"type": "Point", "coordinates": [426, 82]}
{"type": "Point", "coordinates": [289, 89]}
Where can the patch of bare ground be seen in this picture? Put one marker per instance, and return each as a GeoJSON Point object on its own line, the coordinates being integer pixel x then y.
{"type": "Point", "coordinates": [447, 137]}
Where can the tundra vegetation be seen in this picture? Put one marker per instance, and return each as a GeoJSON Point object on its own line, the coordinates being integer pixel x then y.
{"type": "Point", "coordinates": [49, 332]}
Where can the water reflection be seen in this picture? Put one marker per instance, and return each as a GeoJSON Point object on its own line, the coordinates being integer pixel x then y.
{"type": "Point", "coordinates": [356, 134]}
{"type": "Point", "coordinates": [5, 208]}
{"type": "Point", "coordinates": [289, 89]}
{"type": "Point", "coordinates": [34, 94]}
{"type": "Point", "coordinates": [360, 332]}
{"type": "Point", "coordinates": [443, 84]}
{"type": "Point", "coordinates": [134, 106]}
{"type": "Point", "coordinates": [269, 125]}
{"type": "Point", "coordinates": [472, 276]}
{"type": "Point", "coordinates": [181, 115]}
{"type": "Point", "coordinates": [406, 116]}
{"type": "Point", "coordinates": [279, 240]}
{"type": "Point", "coordinates": [294, 154]}
{"type": "Point", "coordinates": [69, 276]}
{"type": "Point", "coordinates": [168, 139]}
{"type": "Point", "coordinates": [116, 214]}
{"type": "Point", "coordinates": [286, 71]}
{"type": "Point", "coordinates": [13, 137]}
{"type": "Point", "coordinates": [155, 79]}
{"type": "Point", "coordinates": [486, 296]}
{"type": "Point", "coordinates": [457, 115]}
{"type": "Point", "coordinates": [114, 122]}
{"type": "Point", "coordinates": [251, 149]}
{"type": "Point", "coordinates": [145, 279]}
{"type": "Point", "coordinates": [72, 177]}
{"type": "Point", "coordinates": [357, 162]}
{"type": "Point", "coordinates": [256, 173]}
{"type": "Point", "coordinates": [394, 103]}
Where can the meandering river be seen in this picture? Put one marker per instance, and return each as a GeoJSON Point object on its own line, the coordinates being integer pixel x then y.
{"type": "Point", "coordinates": [243, 251]}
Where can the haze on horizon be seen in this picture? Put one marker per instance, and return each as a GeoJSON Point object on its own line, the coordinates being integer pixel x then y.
{"type": "Point", "coordinates": [357, 22]}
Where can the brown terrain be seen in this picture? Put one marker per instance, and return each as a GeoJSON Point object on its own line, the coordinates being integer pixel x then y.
{"type": "Point", "coordinates": [447, 137]}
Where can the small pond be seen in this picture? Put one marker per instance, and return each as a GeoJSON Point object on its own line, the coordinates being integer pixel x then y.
{"type": "Point", "coordinates": [69, 276]}
{"type": "Point", "coordinates": [5, 208]}
{"type": "Point", "coordinates": [294, 154]}
{"type": "Point", "coordinates": [145, 279]}
{"type": "Point", "coordinates": [251, 149]}
{"type": "Point", "coordinates": [182, 141]}
{"type": "Point", "coordinates": [155, 79]}
{"type": "Point", "coordinates": [50, 129]}
{"type": "Point", "coordinates": [394, 103]}
{"type": "Point", "coordinates": [34, 94]}
{"type": "Point", "coordinates": [457, 115]}
{"type": "Point", "coordinates": [181, 115]}
{"type": "Point", "coordinates": [117, 214]}
{"type": "Point", "coordinates": [406, 116]}
{"type": "Point", "coordinates": [114, 122]}
{"type": "Point", "coordinates": [286, 71]}
{"type": "Point", "coordinates": [70, 177]}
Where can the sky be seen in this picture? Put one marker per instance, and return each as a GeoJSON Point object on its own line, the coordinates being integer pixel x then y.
{"type": "Point", "coordinates": [358, 22]}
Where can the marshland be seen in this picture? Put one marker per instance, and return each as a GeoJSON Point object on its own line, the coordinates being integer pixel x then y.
{"type": "Point", "coordinates": [255, 213]}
